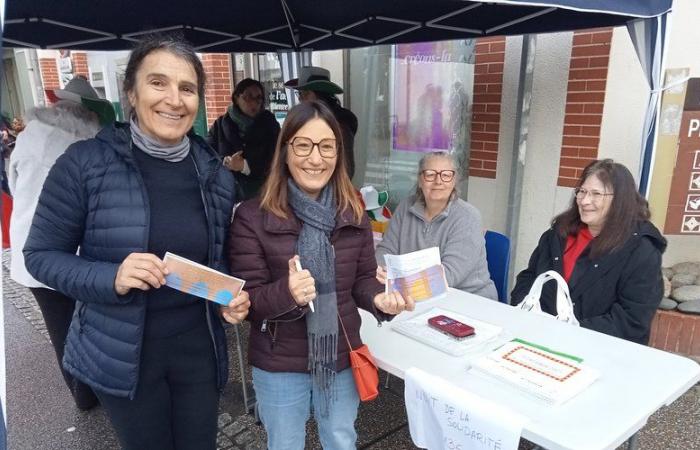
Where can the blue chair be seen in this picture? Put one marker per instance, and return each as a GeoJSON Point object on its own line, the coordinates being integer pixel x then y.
{"type": "Point", "coordinates": [498, 259]}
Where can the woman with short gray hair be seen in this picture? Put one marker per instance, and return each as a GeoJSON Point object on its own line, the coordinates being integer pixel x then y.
{"type": "Point", "coordinates": [435, 216]}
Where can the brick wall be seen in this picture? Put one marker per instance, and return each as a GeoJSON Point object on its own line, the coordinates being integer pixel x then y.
{"type": "Point", "coordinates": [486, 108]}
{"type": "Point", "coordinates": [676, 332]}
{"type": "Point", "coordinates": [219, 84]}
{"type": "Point", "coordinates": [49, 74]}
{"type": "Point", "coordinates": [588, 73]}
{"type": "Point", "coordinates": [80, 64]}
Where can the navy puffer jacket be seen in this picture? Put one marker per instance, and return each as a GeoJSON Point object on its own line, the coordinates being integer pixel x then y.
{"type": "Point", "coordinates": [95, 200]}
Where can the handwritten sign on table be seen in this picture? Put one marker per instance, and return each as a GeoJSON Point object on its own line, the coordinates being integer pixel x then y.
{"type": "Point", "coordinates": [444, 416]}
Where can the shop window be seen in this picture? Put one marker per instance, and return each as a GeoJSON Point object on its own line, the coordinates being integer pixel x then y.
{"type": "Point", "coordinates": [410, 99]}
{"type": "Point", "coordinates": [270, 75]}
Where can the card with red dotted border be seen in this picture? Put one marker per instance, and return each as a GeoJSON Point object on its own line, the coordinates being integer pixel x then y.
{"type": "Point", "coordinates": [548, 375]}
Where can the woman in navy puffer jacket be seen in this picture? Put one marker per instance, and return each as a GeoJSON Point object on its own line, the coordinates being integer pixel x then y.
{"type": "Point", "coordinates": [156, 357]}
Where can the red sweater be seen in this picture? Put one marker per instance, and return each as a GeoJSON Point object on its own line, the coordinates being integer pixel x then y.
{"type": "Point", "coordinates": [575, 245]}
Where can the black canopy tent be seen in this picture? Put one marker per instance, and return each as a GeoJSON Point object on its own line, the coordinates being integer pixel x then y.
{"type": "Point", "coordinates": [294, 25]}
{"type": "Point", "coordinates": [272, 25]}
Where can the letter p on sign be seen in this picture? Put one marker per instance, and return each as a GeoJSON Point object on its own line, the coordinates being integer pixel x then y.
{"type": "Point", "coordinates": [694, 127]}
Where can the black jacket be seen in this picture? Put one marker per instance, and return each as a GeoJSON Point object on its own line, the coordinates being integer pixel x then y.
{"type": "Point", "coordinates": [616, 294]}
{"type": "Point", "coordinates": [348, 127]}
{"type": "Point", "coordinates": [258, 147]}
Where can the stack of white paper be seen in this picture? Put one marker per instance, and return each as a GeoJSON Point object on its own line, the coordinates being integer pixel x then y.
{"type": "Point", "coordinates": [547, 375]}
{"type": "Point", "coordinates": [484, 338]}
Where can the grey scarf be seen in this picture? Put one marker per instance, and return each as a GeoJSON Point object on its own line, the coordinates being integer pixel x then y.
{"type": "Point", "coordinates": [153, 147]}
{"type": "Point", "coordinates": [318, 256]}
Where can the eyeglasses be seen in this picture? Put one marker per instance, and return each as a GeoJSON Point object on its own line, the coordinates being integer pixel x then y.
{"type": "Point", "coordinates": [596, 196]}
{"type": "Point", "coordinates": [303, 146]}
{"type": "Point", "coordinates": [252, 98]}
{"type": "Point", "coordinates": [445, 175]}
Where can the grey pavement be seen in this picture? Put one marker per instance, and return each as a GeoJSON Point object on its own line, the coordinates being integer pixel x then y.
{"type": "Point", "coordinates": [41, 414]}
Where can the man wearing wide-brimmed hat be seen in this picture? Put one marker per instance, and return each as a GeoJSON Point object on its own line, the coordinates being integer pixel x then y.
{"type": "Point", "coordinates": [76, 114]}
{"type": "Point", "coordinates": [314, 84]}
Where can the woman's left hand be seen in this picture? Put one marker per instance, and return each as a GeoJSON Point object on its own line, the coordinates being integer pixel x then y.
{"type": "Point", "coordinates": [393, 303]}
{"type": "Point", "coordinates": [237, 309]}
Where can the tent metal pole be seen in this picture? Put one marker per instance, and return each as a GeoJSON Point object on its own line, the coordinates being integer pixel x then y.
{"type": "Point", "coordinates": [289, 18]}
{"type": "Point", "coordinates": [214, 44]}
{"type": "Point", "coordinates": [522, 118]}
{"type": "Point", "coordinates": [21, 43]}
{"type": "Point", "coordinates": [453, 13]}
{"type": "Point", "coordinates": [407, 30]}
{"type": "Point", "coordinates": [63, 45]}
{"type": "Point", "coordinates": [520, 20]}
{"type": "Point", "coordinates": [153, 30]}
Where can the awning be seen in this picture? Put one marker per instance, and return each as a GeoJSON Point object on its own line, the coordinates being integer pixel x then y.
{"type": "Point", "coordinates": [273, 25]}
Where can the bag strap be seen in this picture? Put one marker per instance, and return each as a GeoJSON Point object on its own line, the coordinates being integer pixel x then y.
{"type": "Point", "coordinates": [345, 333]}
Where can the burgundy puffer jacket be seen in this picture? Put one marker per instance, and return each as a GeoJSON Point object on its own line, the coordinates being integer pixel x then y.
{"type": "Point", "coordinates": [260, 247]}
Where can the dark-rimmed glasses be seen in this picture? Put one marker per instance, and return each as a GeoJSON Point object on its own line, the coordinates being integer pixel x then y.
{"type": "Point", "coordinates": [596, 196]}
{"type": "Point", "coordinates": [303, 146]}
{"type": "Point", "coordinates": [445, 175]}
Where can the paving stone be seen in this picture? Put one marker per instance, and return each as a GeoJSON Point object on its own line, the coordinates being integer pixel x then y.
{"type": "Point", "coordinates": [255, 446]}
{"type": "Point", "coordinates": [245, 438]}
{"type": "Point", "coordinates": [223, 443]}
{"type": "Point", "coordinates": [234, 428]}
{"type": "Point", "coordinates": [224, 419]}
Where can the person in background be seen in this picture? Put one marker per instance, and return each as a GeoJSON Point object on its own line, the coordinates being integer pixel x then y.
{"type": "Point", "coordinates": [314, 84]}
{"type": "Point", "coordinates": [49, 132]}
{"type": "Point", "coordinates": [245, 136]}
{"type": "Point", "coordinates": [308, 214]}
{"type": "Point", "coordinates": [155, 357]}
{"type": "Point", "coordinates": [7, 143]}
{"type": "Point", "coordinates": [608, 252]}
{"type": "Point", "coordinates": [434, 216]}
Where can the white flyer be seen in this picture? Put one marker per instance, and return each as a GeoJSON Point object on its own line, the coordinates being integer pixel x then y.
{"type": "Point", "coordinates": [419, 274]}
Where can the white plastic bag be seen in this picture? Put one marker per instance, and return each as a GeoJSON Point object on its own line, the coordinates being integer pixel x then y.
{"type": "Point", "coordinates": [565, 308]}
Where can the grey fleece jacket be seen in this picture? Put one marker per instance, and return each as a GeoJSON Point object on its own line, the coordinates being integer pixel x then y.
{"type": "Point", "coordinates": [456, 231]}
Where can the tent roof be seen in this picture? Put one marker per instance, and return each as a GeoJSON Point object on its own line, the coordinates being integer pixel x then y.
{"type": "Point", "coordinates": [271, 25]}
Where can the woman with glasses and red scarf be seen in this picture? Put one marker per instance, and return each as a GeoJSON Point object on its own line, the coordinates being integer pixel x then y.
{"type": "Point", "coordinates": [245, 137]}
{"type": "Point", "coordinates": [435, 216]}
{"type": "Point", "coordinates": [608, 252]}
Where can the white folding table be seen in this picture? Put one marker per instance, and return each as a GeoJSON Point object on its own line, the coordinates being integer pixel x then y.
{"type": "Point", "coordinates": [634, 382]}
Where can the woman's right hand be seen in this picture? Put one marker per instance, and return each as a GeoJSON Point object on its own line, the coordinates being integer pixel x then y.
{"type": "Point", "coordinates": [302, 285]}
{"type": "Point", "coordinates": [140, 271]}
{"type": "Point", "coordinates": [235, 162]}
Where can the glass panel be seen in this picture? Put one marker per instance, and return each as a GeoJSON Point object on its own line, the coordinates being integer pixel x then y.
{"type": "Point", "coordinates": [270, 75]}
{"type": "Point", "coordinates": [410, 99]}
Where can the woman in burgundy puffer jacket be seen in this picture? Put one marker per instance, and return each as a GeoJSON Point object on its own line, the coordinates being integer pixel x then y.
{"type": "Point", "coordinates": [308, 216]}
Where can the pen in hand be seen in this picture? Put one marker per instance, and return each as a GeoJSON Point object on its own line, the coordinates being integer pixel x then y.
{"type": "Point", "coordinates": [297, 264]}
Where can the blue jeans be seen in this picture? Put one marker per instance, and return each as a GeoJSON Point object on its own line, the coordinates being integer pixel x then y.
{"type": "Point", "coordinates": [285, 400]}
